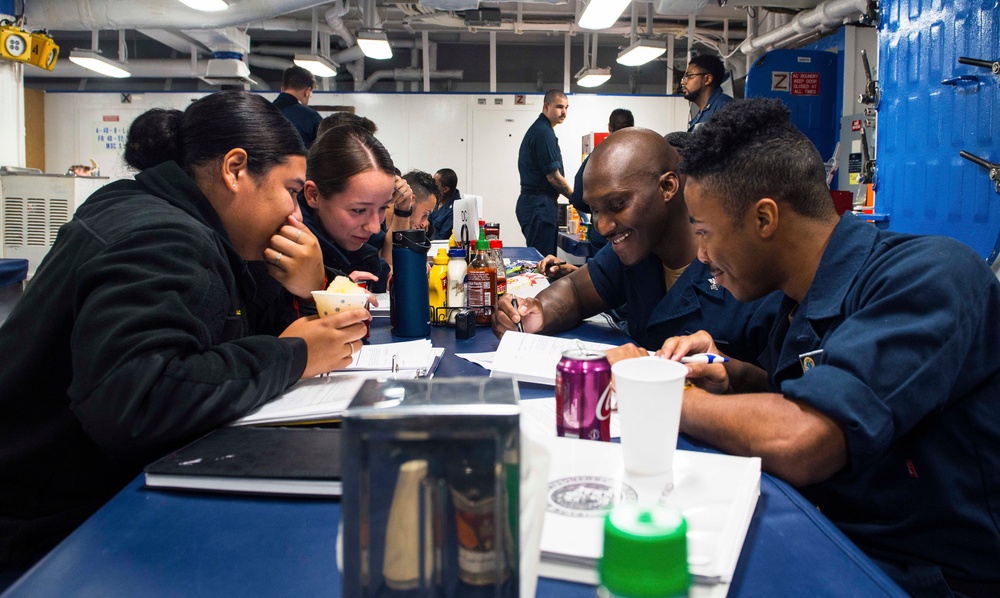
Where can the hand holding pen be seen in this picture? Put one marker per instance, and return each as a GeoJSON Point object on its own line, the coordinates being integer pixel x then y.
{"type": "Point", "coordinates": [553, 267]}
{"type": "Point", "coordinates": [704, 358]}
{"type": "Point", "coordinates": [513, 301]}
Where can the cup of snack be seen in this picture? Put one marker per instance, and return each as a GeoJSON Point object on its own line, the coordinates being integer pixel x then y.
{"type": "Point", "coordinates": [340, 295]}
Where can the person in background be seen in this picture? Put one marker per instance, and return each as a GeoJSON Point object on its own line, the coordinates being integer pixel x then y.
{"type": "Point", "coordinates": [402, 195]}
{"type": "Point", "coordinates": [540, 166]}
{"type": "Point", "coordinates": [881, 399]}
{"type": "Point", "coordinates": [443, 217]}
{"type": "Point", "coordinates": [702, 86]}
{"type": "Point", "coordinates": [297, 86]}
{"type": "Point", "coordinates": [649, 264]}
{"type": "Point", "coordinates": [345, 118]}
{"type": "Point", "coordinates": [619, 119]}
{"type": "Point", "coordinates": [425, 197]}
{"type": "Point", "coordinates": [348, 190]}
{"type": "Point", "coordinates": [166, 308]}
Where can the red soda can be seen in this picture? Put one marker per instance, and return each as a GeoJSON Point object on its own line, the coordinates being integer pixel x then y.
{"type": "Point", "coordinates": [583, 402]}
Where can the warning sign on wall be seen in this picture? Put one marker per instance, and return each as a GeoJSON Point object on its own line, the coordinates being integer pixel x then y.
{"type": "Point", "coordinates": [779, 81]}
{"type": "Point", "coordinates": [797, 84]}
{"type": "Point", "coordinates": [805, 84]}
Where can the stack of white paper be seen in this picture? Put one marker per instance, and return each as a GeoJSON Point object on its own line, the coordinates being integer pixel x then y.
{"type": "Point", "coordinates": [314, 399]}
{"type": "Point", "coordinates": [418, 355]}
{"type": "Point", "coordinates": [717, 494]}
{"type": "Point", "coordinates": [325, 397]}
{"type": "Point", "coordinates": [533, 357]}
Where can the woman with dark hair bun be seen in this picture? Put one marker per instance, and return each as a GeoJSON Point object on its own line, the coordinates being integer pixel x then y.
{"type": "Point", "coordinates": [349, 188]}
{"type": "Point", "coordinates": [167, 307]}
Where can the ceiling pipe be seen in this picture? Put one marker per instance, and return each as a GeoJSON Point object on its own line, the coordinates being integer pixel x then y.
{"type": "Point", "coordinates": [151, 14]}
{"type": "Point", "coordinates": [409, 74]}
{"type": "Point", "coordinates": [335, 19]}
{"type": "Point", "coordinates": [268, 62]}
{"type": "Point", "coordinates": [826, 16]}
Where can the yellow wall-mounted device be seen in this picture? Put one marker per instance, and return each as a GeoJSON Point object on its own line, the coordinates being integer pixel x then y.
{"type": "Point", "coordinates": [44, 51]}
{"type": "Point", "coordinates": [15, 44]}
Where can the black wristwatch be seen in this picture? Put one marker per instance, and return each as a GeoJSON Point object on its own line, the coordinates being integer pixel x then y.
{"type": "Point", "coordinates": [403, 213]}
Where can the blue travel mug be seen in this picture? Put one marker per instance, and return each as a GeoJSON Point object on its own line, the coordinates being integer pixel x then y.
{"type": "Point", "coordinates": [409, 299]}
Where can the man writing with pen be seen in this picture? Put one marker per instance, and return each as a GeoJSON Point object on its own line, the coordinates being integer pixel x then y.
{"type": "Point", "coordinates": [880, 399]}
{"type": "Point", "coordinates": [650, 262]}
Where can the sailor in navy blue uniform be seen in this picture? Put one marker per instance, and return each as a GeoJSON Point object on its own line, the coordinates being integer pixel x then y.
{"type": "Point", "coordinates": [649, 264]}
{"type": "Point", "coordinates": [882, 400]}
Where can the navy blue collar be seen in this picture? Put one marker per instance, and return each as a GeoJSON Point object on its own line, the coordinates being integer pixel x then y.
{"type": "Point", "coordinates": [708, 106]}
{"type": "Point", "coordinates": [849, 248]}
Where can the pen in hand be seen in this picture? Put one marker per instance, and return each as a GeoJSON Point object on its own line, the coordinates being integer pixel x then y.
{"type": "Point", "coordinates": [704, 358]}
{"type": "Point", "coordinates": [513, 301]}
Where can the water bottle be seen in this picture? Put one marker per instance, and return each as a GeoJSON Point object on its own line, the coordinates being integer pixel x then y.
{"type": "Point", "coordinates": [645, 553]}
{"type": "Point", "coordinates": [409, 300]}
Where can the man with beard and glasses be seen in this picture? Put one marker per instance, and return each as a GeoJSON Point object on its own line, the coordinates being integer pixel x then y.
{"type": "Point", "coordinates": [702, 86]}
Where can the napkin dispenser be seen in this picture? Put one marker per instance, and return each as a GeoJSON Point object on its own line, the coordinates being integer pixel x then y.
{"type": "Point", "coordinates": [430, 488]}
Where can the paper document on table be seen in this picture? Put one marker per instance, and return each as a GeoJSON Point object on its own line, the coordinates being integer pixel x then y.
{"type": "Point", "coordinates": [533, 357]}
{"type": "Point", "coordinates": [382, 309]}
{"type": "Point", "coordinates": [540, 416]}
{"type": "Point", "coordinates": [319, 398]}
{"type": "Point", "coordinates": [484, 360]}
{"type": "Point", "coordinates": [410, 355]}
{"type": "Point", "coordinates": [717, 494]}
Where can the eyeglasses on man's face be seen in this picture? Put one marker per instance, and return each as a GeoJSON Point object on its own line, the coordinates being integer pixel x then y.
{"type": "Point", "coordinates": [691, 75]}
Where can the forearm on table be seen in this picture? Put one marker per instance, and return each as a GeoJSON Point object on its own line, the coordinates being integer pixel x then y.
{"type": "Point", "coordinates": [568, 301]}
{"type": "Point", "coordinates": [746, 377]}
{"type": "Point", "coordinates": [794, 441]}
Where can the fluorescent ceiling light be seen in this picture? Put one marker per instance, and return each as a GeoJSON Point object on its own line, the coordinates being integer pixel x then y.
{"type": "Point", "coordinates": [206, 5]}
{"type": "Point", "coordinates": [92, 60]}
{"type": "Point", "coordinates": [374, 44]}
{"type": "Point", "coordinates": [316, 64]}
{"type": "Point", "coordinates": [601, 14]}
{"type": "Point", "coordinates": [641, 52]}
{"type": "Point", "coordinates": [592, 77]}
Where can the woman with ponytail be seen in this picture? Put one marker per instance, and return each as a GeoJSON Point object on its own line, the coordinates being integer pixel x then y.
{"type": "Point", "coordinates": [167, 307]}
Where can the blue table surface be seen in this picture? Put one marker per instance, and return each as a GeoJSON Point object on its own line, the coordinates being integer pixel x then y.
{"type": "Point", "coordinates": [152, 542]}
{"type": "Point", "coordinates": [12, 270]}
{"type": "Point", "coordinates": [572, 245]}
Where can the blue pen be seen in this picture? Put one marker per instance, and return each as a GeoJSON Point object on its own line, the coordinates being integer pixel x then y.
{"type": "Point", "coordinates": [704, 358]}
{"type": "Point", "coordinates": [513, 301]}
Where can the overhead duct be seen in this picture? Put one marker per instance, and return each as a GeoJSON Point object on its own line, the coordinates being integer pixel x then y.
{"type": "Point", "coordinates": [335, 19]}
{"type": "Point", "coordinates": [825, 17]}
{"type": "Point", "coordinates": [408, 74]}
{"type": "Point", "coordinates": [85, 15]}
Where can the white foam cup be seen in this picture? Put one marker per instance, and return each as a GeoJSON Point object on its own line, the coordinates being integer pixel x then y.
{"type": "Point", "coordinates": [649, 392]}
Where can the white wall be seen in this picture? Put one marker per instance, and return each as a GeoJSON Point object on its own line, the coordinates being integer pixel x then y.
{"type": "Point", "coordinates": [476, 135]}
{"type": "Point", "coordinates": [12, 151]}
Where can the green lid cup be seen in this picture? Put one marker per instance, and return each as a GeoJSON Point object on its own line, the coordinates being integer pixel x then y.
{"type": "Point", "coordinates": [645, 552]}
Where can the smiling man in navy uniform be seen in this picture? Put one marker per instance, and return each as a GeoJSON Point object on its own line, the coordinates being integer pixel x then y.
{"type": "Point", "coordinates": [649, 264]}
{"type": "Point", "coordinates": [882, 401]}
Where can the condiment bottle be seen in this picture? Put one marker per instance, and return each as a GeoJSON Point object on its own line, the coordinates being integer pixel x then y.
{"type": "Point", "coordinates": [456, 282]}
{"type": "Point", "coordinates": [437, 287]}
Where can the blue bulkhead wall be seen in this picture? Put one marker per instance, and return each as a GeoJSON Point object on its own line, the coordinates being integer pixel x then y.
{"type": "Point", "coordinates": [931, 108]}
